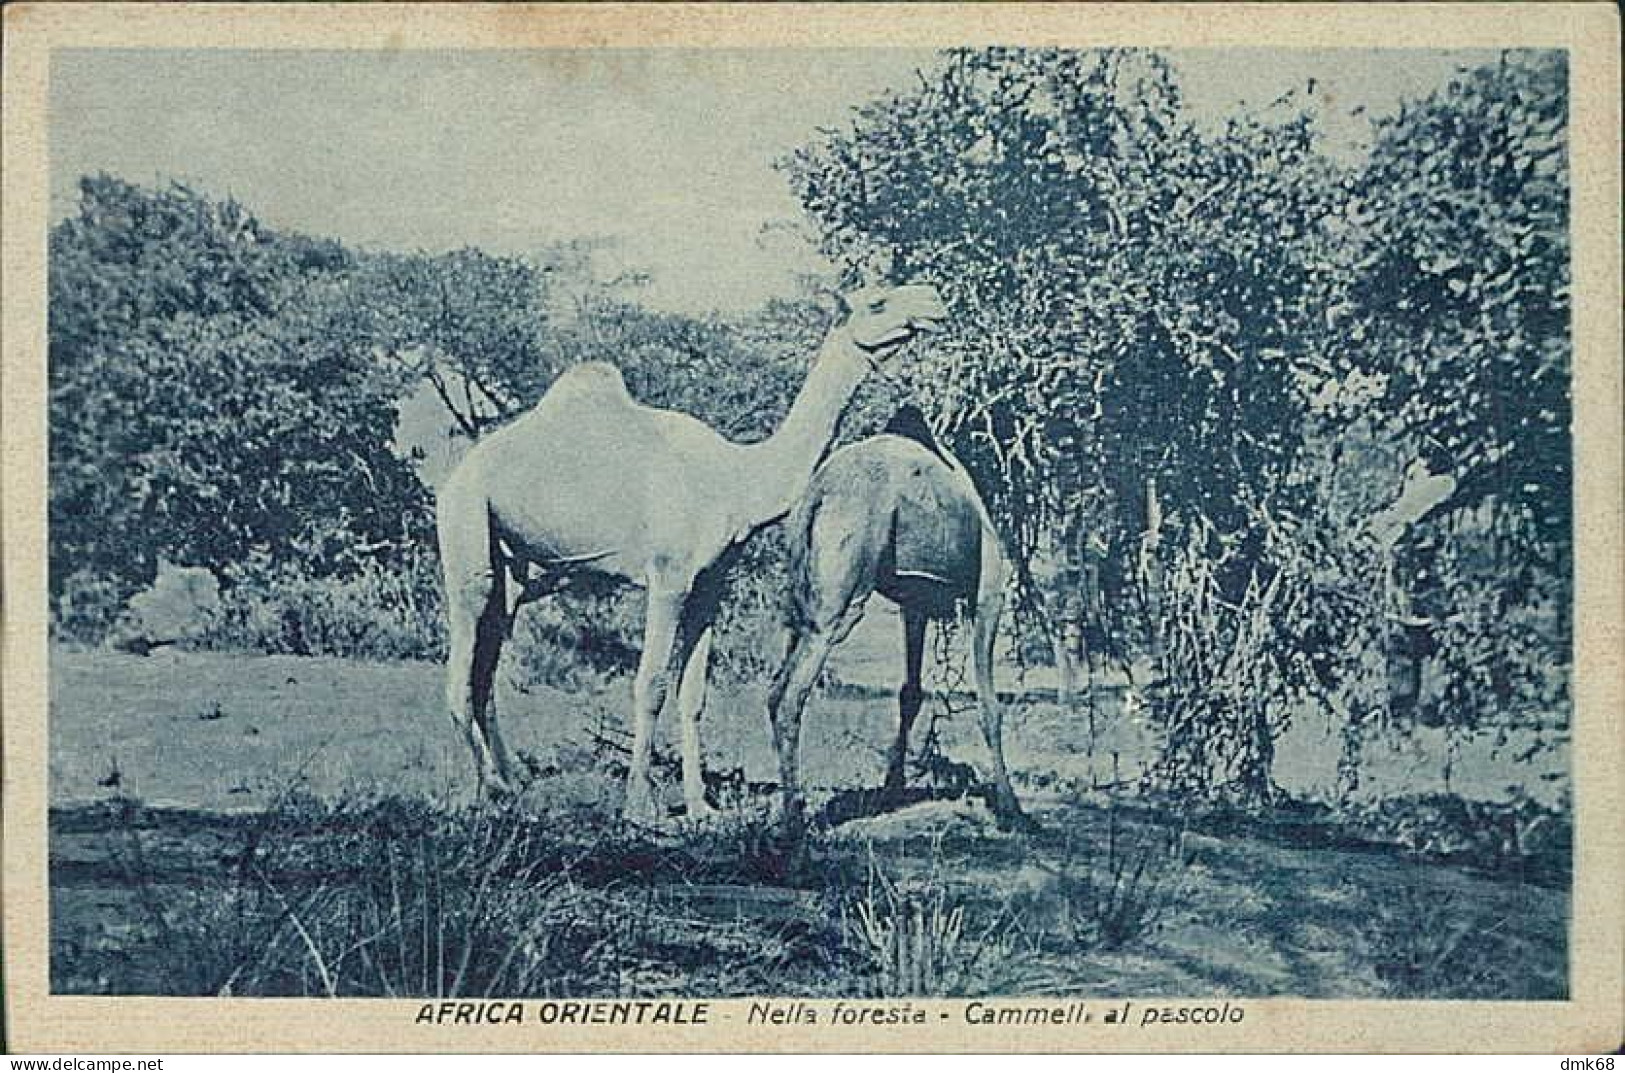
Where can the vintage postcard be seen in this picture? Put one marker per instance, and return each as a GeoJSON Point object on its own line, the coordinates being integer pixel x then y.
{"type": "Point", "coordinates": [812, 528]}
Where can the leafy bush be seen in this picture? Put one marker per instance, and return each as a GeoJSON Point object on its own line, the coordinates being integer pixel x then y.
{"type": "Point", "coordinates": [572, 640]}
{"type": "Point", "coordinates": [1174, 348]}
{"type": "Point", "coordinates": [1516, 837]}
{"type": "Point", "coordinates": [377, 612]}
{"type": "Point", "coordinates": [207, 402]}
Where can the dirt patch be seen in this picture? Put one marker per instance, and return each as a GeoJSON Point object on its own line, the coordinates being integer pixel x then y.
{"type": "Point", "coordinates": [248, 794]}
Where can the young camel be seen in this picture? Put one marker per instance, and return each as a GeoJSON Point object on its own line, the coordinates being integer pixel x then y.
{"type": "Point", "coordinates": [894, 514]}
{"type": "Point", "coordinates": [592, 482]}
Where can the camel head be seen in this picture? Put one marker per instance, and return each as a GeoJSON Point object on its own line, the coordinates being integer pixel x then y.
{"type": "Point", "coordinates": [881, 319]}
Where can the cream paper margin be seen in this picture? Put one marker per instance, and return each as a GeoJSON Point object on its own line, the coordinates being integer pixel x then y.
{"type": "Point", "coordinates": [1590, 1021]}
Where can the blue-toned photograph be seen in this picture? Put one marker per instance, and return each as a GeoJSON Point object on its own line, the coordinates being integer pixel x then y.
{"type": "Point", "coordinates": [846, 523]}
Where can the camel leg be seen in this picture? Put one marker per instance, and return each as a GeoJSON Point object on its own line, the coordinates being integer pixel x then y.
{"type": "Point", "coordinates": [835, 551]}
{"type": "Point", "coordinates": [787, 699]}
{"type": "Point", "coordinates": [690, 664]}
{"type": "Point", "coordinates": [989, 605]}
{"type": "Point", "coordinates": [472, 656]}
{"type": "Point", "coordinates": [690, 705]}
{"type": "Point", "coordinates": [649, 689]}
{"type": "Point", "coordinates": [476, 627]}
{"type": "Point", "coordinates": [909, 698]}
{"type": "Point", "coordinates": [489, 633]}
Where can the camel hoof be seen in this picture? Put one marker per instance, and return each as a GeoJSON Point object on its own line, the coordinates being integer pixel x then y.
{"type": "Point", "coordinates": [701, 813]}
{"type": "Point", "coordinates": [791, 822]}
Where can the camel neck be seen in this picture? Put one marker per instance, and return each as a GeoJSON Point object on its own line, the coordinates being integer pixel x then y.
{"type": "Point", "coordinates": [781, 466]}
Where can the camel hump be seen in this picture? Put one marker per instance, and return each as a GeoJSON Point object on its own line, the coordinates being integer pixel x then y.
{"type": "Point", "coordinates": [909, 422]}
{"type": "Point", "coordinates": [591, 378]}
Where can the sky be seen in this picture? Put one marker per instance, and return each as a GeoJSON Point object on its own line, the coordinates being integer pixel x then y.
{"type": "Point", "coordinates": [669, 154]}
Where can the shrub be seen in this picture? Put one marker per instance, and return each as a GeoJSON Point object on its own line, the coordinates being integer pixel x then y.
{"type": "Point", "coordinates": [1124, 895]}
{"type": "Point", "coordinates": [585, 637]}
{"type": "Point", "coordinates": [377, 612]}
{"type": "Point", "coordinates": [1431, 943]}
{"type": "Point", "coordinates": [85, 606]}
{"type": "Point", "coordinates": [915, 937]}
{"type": "Point", "coordinates": [579, 640]}
{"type": "Point", "coordinates": [1518, 837]}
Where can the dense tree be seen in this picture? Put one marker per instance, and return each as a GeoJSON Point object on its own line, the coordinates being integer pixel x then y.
{"type": "Point", "coordinates": [1169, 342]}
{"type": "Point", "coordinates": [477, 327]}
{"type": "Point", "coordinates": [1132, 303]}
{"type": "Point", "coordinates": [1457, 320]}
{"type": "Point", "coordinates": [201, 408]}
{"type": "Point", "coordinates": [224, 395]}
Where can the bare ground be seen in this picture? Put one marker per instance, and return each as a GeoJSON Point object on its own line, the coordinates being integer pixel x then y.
{"type": "Point", "coordinates": [200, 738]}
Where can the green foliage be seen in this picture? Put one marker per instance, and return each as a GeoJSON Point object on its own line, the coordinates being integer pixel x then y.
{"type": "Point", "coordinates": [1114, 276]}
{"type": "Point", "coordinates": [1462, 282]}
{"type": "Point", "coordinates": [1133, 303]}
{"type": "Point", "coordinates": [376, 611]}
{"type": "Point", "coordinates": [701, 366]}
{"type": "Point", "coordinates": [204, 408]}
{"type": "Point", "coordinates": [224, 396]}
{"type": "Point", "coordinates": [486, 318]}
{"type": "Point", "coordinates": [1518, 838]}
{"type": "Point", "coordinates": [1459, 312]}
{"type": "Point", "coordinates": [1187, 366]}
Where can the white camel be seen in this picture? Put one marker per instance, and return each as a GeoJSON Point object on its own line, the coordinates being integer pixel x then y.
{"type": "Point", "coordinates": [592, 481]}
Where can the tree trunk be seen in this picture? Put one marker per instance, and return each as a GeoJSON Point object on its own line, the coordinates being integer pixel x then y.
{"type": "Point", "coordinates": [1066, 668]}
{"type": "Point", "coordinates": [1150, 573]}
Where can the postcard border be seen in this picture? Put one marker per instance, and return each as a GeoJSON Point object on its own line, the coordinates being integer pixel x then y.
{"type": "Point", "coordinates": [1589, 1021]}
